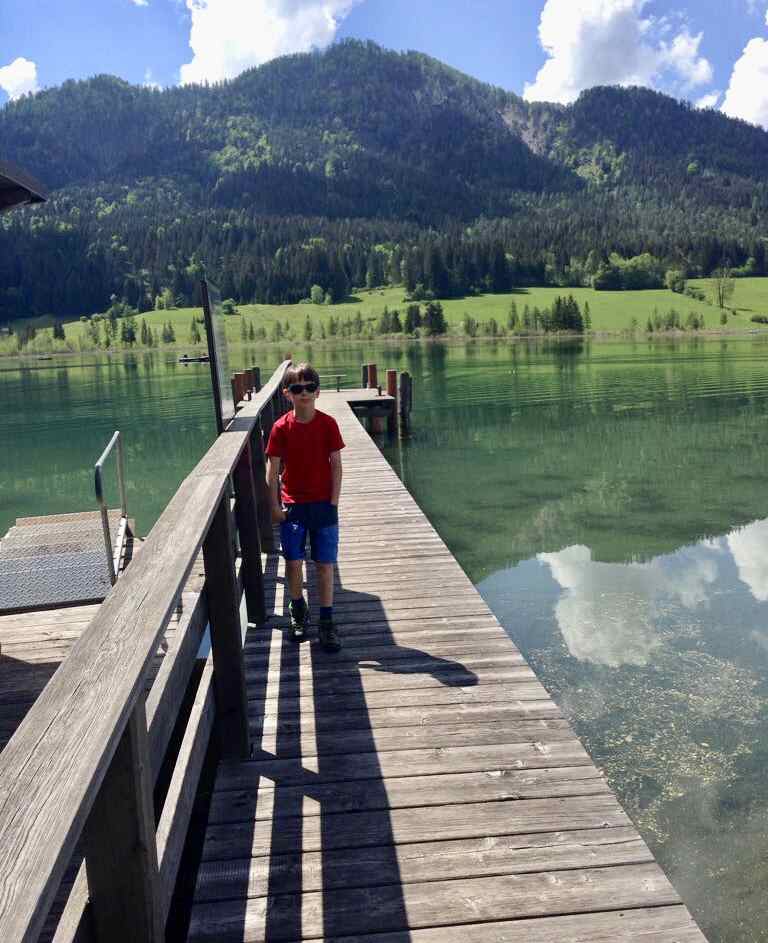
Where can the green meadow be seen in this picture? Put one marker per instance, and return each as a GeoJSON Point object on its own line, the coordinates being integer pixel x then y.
{"type": "Point", "coordinates": [611, 312]}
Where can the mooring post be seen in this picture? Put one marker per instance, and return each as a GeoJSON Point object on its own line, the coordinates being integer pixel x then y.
{"type": "Point", "coordinates": [392, 391]}
{"type": "Point", "coordinates": [364, 376]}
{"type": "Point", "coordinates": [373, 377]}
{"type": "Point", "coordinates": [405, 401]}
{"type": "Point", "coordinates": [256, 373]}
{"type": "Point", "coordinates": [238, 388]}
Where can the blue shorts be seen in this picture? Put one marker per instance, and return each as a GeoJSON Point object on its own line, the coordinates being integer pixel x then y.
{"type": "Point", "coordinates": [319, 519]}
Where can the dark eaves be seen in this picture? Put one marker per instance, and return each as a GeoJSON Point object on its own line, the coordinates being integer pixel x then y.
{"type": "Point", "coordinates": [16, 187]}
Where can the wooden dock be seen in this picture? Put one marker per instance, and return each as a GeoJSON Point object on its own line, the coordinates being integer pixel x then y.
{"type": "Point", "coordinates": [421, 785]}
{"type": "Point", "coordinates": [418, 786]}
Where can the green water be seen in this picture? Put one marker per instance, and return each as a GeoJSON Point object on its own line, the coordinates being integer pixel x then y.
{"type": "Point", "coordinates": [608, 499]}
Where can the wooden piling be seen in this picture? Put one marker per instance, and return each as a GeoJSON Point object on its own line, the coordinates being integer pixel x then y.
{"type": "Point", "coordinates": [373, 376]}
{"type": "Point", "coordinates": [392, 391]}
{"type": "Point", "coordinates": [404, 401]}
{"type": "Point", "coordinates": [364, 376]}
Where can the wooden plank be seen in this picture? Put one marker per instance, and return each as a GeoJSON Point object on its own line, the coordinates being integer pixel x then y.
{"type": "Point", "coordinates": [504, 691]}
{"type": "Point", "coordinates": [226, 644]}
{"type": "Point", "coordinates": [656, 925]}
{"type": "Point", "coordinates": [372, 766]}
{"type": "Point", "coordinates": [309, 743]}
{"type": "Point", "coordinates": [420, 862]}
{"type": "Point", "coordinates": [402, 826]}
{"type": "Point", "coordinates": [437, 903]}
{"type": "Point", "coordinates": [396, 718]}
{"type": "Point", "coordinates": [177, 810]}
{"type": "Point", "coordinates": [263, 799]}
{"type": "Point", "coordinates": [246, 511]}
{"type": "Point", "coordinates": [165, 695]}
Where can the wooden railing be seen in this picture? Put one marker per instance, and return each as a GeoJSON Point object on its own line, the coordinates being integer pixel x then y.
{"type": "Point", "coordinates": [79, 772]}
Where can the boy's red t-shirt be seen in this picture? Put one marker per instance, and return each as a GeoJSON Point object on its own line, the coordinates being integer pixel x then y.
{"type": "Point", "coordinates": [305, 449]}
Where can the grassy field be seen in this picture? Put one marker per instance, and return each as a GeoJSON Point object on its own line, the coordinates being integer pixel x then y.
{"type": "Point", "coordinates": [750, 296]}
{"type": "Point", "coordinates": [611, 312]}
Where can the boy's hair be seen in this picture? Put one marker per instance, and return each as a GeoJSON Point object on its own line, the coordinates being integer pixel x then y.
{"type": "Point", "coordinates": [302, 371]}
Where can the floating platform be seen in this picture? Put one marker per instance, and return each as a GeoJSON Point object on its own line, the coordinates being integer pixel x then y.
{"type": "Point", "coordinates": [59, 560]}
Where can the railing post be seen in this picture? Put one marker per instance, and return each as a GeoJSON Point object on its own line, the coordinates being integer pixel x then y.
{"type": "Point", "coordinates": [263, 501]}
{"type": "Point", "coordinates": [246, 514]}
{"type": "Point", "coordinates": [120, 847]}
{"type": "Point", "coordinates": [226, 639]}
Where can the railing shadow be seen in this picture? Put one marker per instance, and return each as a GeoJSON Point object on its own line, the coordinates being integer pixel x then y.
{"type": "Point", "coordinates": [313, 811]}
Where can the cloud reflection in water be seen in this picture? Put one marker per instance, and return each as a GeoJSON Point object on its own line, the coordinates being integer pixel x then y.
{"type": "Point", "coordinates": [609, 613]}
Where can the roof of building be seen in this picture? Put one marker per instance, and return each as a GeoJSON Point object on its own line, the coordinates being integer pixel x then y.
{"type": "Point", "coordinates": [17, 186]}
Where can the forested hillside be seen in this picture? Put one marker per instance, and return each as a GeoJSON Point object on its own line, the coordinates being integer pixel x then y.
{"type": "Point", "coordinates": [360, 165]}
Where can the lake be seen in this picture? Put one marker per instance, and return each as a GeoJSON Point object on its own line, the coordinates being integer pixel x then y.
{"type": "Point", "coordinates": [607, 498]}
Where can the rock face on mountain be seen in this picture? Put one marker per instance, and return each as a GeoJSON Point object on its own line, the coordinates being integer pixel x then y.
{"type": "Point", "coordinates": [359, 132]}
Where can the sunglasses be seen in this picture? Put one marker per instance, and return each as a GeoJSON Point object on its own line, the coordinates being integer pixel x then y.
{"type": "Point", "coordinates": [297, 388]}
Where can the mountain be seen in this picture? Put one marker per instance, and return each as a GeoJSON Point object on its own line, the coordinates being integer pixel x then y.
{"type": "Point", "coordinates": [328, 158]}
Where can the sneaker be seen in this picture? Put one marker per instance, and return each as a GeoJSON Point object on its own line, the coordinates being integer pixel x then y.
{"type": "Point", "coordinates": [299, 619]}
{"type": "Point", "coordinates": [329, 637]}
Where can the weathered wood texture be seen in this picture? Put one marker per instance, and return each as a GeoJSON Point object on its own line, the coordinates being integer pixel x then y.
{"type": "Point", "coordinates": [420, 785]}
{"type": "Point", "coordinates": [53, 768]}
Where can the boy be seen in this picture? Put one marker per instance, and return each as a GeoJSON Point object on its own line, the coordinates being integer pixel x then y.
{"type": "Point", "coordinates": [309, 444]}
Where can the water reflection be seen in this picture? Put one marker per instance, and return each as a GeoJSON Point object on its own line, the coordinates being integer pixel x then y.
{"type": "Point", "coordinates": [749, 547]}
{"type": "Point", "coordinates": [608, 613]}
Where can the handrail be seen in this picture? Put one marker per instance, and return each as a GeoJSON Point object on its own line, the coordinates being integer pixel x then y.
{"type": "Point", "coordinates": [116, 440]}
{"type": "Point", "coordinates": [336, 376]}
{"type": "Point", "coordinates": [53, 768]}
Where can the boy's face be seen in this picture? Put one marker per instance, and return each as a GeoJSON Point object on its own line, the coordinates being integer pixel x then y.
{"type": "Point", "coordinates": [302, 393]}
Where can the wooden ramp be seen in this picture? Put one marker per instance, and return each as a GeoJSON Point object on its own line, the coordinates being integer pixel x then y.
{"type": "Point", "coordinates": [55, 561]}
{"type": "Point", "coordinates": [420, 785]}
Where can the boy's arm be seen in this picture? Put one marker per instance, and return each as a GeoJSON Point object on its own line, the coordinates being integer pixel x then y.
{"type": "Point", "coordinates": [273, 473]}
{"type": "Point", "coordinates": [335, 477]}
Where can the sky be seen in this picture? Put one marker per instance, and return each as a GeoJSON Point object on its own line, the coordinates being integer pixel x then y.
{"type": "Point", "coordinates": [713, 53]}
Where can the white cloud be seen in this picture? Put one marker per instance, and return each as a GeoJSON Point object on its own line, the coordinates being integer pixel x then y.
{"type": "Point", "coordinates": [747, 94]}
{"type": "Point", "coordinates": [709, 100]}
{"type": "Point", "coordinates": [609, 612]}
{"type": "Point", "coordinates": [19, 77]}
{"type": "Point", "coordinates": [749, 547]}
{"type": "Point", "coordinates": [229, 36]}
{"type": "Point", "coordinates": [140, 3]}
{"type": "Point", "coordinates": [610, 42]}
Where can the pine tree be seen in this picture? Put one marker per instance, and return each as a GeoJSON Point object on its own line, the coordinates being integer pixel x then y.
{"type": "Point", "coordinates": [308, 329]}
{"type": "Point", "coordinates": [412, 318]}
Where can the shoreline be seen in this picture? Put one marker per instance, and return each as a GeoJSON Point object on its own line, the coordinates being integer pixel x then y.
{"type": "Point", "coordinates": [397, 341]}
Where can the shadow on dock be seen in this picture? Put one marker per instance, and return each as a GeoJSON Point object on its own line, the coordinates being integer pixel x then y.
{"type": "Point", "coordinates": [300, 841]}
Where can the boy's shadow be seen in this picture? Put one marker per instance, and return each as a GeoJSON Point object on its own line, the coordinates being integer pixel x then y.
{"type": "Point", "coordinates": [315, 801]}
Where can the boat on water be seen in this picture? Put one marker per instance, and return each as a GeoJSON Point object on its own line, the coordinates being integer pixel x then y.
{"type": "Point", "coordinates": [185, 358]}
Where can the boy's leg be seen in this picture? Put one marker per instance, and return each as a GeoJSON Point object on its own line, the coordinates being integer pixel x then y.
{"type": "Point", "coordinates": [325, 547]}
{"type": "Point", "coordinates": [325, 583]}
{"type": "Point", "coordinates": [293, 533]}
{"type": "Point", "coordinates": [294, 573]}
